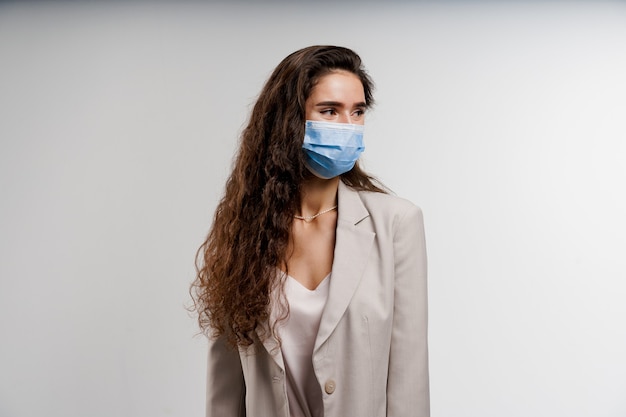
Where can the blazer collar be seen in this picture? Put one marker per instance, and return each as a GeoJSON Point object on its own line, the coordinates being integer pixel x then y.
{"type": "Point", "coordinates": [350, 207]}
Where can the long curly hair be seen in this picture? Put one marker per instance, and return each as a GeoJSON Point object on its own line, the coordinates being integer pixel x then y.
{"type": "Point", "coordinates": [236, 264]}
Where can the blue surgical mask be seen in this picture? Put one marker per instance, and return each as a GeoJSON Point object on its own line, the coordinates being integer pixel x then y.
{"type": "Point", "coordinates": [331, 149]}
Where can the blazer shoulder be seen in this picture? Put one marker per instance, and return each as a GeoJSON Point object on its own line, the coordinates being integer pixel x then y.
{"type": "Point", "coordinates": [390, 204]}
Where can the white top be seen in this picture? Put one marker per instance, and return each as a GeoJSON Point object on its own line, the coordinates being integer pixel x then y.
{"type": "Point", "coordinates": [298, 335]}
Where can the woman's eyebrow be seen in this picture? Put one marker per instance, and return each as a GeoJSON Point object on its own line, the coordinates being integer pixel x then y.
{"type": "Point", "coordinates": [339, 104]}
{"type": "Point", "coordinates": [329, 103]}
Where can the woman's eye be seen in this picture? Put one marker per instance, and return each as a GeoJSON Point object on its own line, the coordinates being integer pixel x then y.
{"type": "Point", "coordinates": [329, 112]}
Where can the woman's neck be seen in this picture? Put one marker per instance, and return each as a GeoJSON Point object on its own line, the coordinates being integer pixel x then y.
{"type": "Point", "coordinates": [317, 195]}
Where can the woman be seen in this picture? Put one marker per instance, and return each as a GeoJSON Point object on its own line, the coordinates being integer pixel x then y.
{"type": "Point", "coordinates": [312, 282]}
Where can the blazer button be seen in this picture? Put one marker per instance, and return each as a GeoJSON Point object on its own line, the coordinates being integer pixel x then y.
{"type": "Point", "coordinates": [329, 387]}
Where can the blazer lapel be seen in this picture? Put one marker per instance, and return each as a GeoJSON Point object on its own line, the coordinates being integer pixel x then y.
{"type": "Point", "coordinates": [352, 248]}
{"type": "Point", "coordinates": [271, 344]}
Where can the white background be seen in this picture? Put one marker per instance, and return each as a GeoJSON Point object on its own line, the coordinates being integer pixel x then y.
{"type": "Point", "coordinates": [505, 122]}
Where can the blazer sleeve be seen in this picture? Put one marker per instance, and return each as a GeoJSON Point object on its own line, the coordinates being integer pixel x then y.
{"type": "Point", "coordinates": [408, 380]}
{"type": "Point", "coordinates": [226, 389]}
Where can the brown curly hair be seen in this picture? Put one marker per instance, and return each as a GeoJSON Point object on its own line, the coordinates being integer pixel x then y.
{"type": "Point", "coordinates": [236, 264]}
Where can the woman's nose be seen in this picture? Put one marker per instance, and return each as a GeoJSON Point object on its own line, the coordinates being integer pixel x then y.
{"type": "Point", "coordinates": [345, 118]}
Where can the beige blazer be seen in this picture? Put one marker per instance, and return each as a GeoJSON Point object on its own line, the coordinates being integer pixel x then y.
{"type": "Point", "coordinates": [370, 355]}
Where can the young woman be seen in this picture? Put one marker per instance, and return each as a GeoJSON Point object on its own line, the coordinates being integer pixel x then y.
{"type": "Point", "coordinates": [312, 281]}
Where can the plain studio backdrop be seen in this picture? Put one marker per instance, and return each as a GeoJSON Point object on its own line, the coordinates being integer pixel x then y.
{"type": "Point", "coordinates": [504, 121]}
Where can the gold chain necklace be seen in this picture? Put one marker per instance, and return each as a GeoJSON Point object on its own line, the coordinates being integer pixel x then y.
{"type": "Point", "coordinates": [309, 219]}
